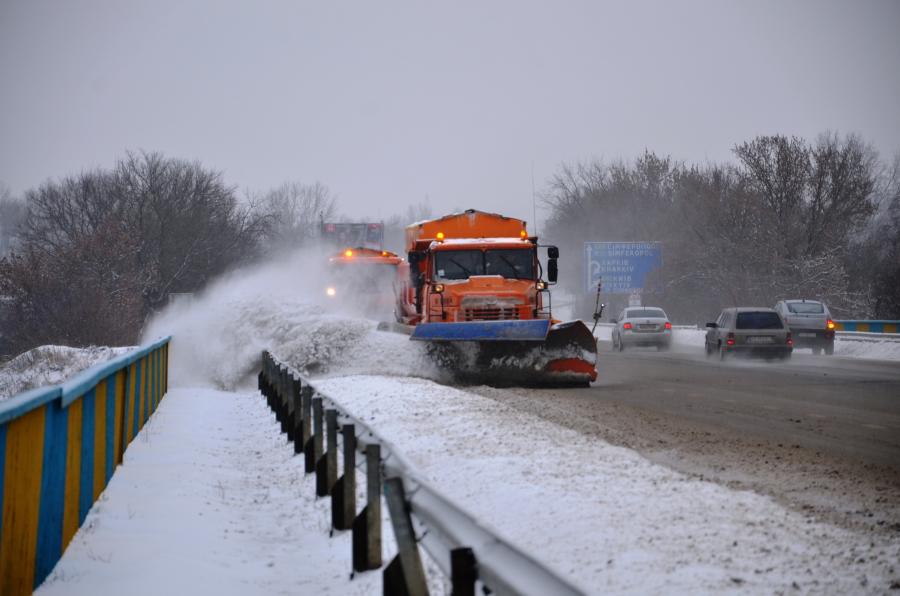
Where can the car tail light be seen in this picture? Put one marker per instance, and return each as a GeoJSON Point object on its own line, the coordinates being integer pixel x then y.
{"type": "Point", "coordinates": [626, 326]}
{"type": "Point", "coordinates": [668, 325]}
{"type": "Point", "coordinates": [789, 341]}
{"type": "Point", "coordinates": [729, 340]}
{"type": "Point", "coordinates": [830, 325]}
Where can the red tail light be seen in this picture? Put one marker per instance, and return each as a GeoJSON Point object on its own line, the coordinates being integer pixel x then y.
{"type": "Point", "coordinates": [730, 339]}
{"type": "Point", "coordinates": [830, 325]}
{"type": "Point", "coordinates": [668, 325]}
{"type": "Point", "coordinates": [790, 341]}
{"type": "Point", "coordinates": [626, 326]}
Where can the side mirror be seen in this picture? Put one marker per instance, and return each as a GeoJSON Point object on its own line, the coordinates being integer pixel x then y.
{"type": "Point", "coordinates": [552, 271]}
{"type": "Point", "coordinates": [712, 325]}
{"type": "Point", "coordinates": [414, 258]}
{"type": "Point", "coordinates": [553, 252]}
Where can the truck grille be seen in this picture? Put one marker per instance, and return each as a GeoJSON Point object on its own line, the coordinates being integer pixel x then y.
{"type": "Point", "coordinates": [490, 313]}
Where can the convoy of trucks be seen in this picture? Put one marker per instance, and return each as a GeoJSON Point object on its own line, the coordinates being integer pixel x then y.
{"type": "Point", "coordinates": [473, 288]}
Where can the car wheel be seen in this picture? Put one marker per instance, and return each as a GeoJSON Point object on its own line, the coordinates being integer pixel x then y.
{"type": "Point", "coordinates": [722, 352]}
{"type": "Point", "coordinates": [786, 356]}
{"type": "Point", "coordinates": [708, 348]}
{"type": "Point", "coordinates": [621, 345]}
{"type": "Point", "coordinates": [817, 351]}
{"type": "Point", "coordinates": [829, 350]}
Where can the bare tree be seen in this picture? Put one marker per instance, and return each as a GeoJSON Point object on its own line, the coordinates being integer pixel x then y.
{"type": "Point", "coordinates": [12, 213]}
{"type": "Point", "coordinates": [294, 211]}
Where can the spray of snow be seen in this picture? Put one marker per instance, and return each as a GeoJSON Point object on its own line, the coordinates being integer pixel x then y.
{"type": "Point", "coordinates": [50, 365]}
{"type": "Point", "coordinates": [219, 336]}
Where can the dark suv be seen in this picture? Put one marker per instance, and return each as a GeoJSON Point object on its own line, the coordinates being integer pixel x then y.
{"type": "Point", "coordinates": [752, 331]}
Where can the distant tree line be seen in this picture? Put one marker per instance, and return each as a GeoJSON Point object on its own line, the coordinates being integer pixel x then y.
{"type": "Point", "coordinates": [86, 259]}
{"type": "Point", "coordinates": [789, 219]}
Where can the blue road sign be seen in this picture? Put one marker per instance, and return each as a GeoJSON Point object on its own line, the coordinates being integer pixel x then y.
{"type": "Point", "coordinates": [622, 265]}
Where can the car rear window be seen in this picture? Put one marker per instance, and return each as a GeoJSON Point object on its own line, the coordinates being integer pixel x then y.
{"type": "Point", "coordinates": [758, 320]}
{"type": "Point", "coordinates": [646, 312]}
{"type": "Point", "coordinates": [806, 308]}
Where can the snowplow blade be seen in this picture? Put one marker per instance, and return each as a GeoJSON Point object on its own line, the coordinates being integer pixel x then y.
{"type": "Point", "coordinates": [533, 330]}
{"type": "Point", "coordinates": [524, 353]}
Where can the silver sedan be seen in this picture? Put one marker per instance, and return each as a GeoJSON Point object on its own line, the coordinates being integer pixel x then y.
{"type": "Point", "coordinates": [642, 326]}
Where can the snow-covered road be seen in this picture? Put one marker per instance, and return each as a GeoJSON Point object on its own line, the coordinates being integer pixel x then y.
{"type": "Point", "coordinates": [209, 500]}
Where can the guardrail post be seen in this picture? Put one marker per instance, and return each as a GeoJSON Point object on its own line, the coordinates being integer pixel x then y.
{"type": "Point", "coordinates": [343, 497]}
{"type": "Point", "coordinates": [276, 390]}
{"type": "Point", "coordinates": [308, 445]}
{"type": "Point", "coordinates": [326, 465]}
{"type": "Point", "coordinates": [367, 525]}
{"type": "Point", "coordinates": [289, 406]}
{"type": "Point", "coordinates": [463, 571]}
{"type": "Point", "coordinates": [297, 417]}
{"type": "Point", "coordinates": [317, 438]}
{"type": "Point", "coordinates": [404, 574]}
{"type": "Point", "coordinates": [283, 396]}
{"type": "Point", "coordinates": [261, 377]}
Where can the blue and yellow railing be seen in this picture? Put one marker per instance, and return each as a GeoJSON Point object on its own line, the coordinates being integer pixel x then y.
{"type": "Point", "coordinates": [59, 447]}
{"type": "Point", "coordinates": [868, 326]}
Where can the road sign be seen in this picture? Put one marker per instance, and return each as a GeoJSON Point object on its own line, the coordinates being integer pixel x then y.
{"type": "Point", "coordinates": [622, 265]}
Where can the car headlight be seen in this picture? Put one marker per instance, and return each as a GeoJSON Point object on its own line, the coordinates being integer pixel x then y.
{"type": "Point", "coordinates": [331, 291]}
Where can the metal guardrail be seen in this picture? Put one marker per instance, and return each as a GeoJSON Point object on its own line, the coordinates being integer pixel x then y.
{"type": "Point", "coordinates": [466, 551]}
{"type": "Point", "coordinates": [870, 326]}
{"type": "Point", "coordinates": [59, 447]}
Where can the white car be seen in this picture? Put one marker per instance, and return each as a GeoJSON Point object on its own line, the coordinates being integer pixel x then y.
{"type": "Point", "coordinates": [642, 326]}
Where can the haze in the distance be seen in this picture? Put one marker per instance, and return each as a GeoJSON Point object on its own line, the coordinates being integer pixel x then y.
{"type": "Point", "coordinates": [388, 103]}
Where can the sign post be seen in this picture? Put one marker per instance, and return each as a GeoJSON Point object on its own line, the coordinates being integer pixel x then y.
{"type": "Point", "coordinates": [623, 266]}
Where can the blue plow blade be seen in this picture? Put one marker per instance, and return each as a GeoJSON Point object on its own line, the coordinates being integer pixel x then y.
{"type": "Point", "coordinates": [531, 330]}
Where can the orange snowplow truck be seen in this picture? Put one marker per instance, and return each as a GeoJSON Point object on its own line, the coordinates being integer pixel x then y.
{"type": "Point", "coordinates": [472, 288]}
{"type": "Point", "coordinates": [361, 279]}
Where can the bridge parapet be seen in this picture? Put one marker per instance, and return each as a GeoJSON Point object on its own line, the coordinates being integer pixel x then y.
{"type": "Point", "coordinates": [59, 447]}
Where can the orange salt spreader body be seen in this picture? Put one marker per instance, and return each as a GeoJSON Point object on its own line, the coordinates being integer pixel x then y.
{"type": "Point", "coordinates": [472, 288]}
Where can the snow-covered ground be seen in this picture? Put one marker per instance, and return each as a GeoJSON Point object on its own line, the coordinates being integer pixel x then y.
{"type": "Point", "coordinates": [49, 365]}
{"type": "Point", "coordinates": [223, 506]}
{"type": "Point", "coordinates": [602, 515]}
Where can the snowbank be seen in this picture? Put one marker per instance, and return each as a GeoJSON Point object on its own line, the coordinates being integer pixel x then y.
{"type": "Point", "coordinates": [50, 365]}
{"type": "Point", "coordinates": [603, 515]}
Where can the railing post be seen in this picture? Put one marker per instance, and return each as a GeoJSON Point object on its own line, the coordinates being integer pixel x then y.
{"type": "Point", "coordinates": [326, 466]}
{"type": "Point", "coordinates": [367, 525]}
{"type": "Point", "coordinates": [463, 572]}
{"type": "Point", "coordinates": [289, 406]}
{"type": "Point", "coordinates": [343, 497]}
{"type": "Point", "coordinates": [282, 396]}
{"type": "Point", "coordinates": [306, 397]}
{"type": "Point", "coordinates": [317, 437]}
{"type": "Point", "coordinates": [404, 574]}
{"type": "Point", "coordinates": [261, 377]}
{"type": "Point", "coordinates": [297, 418]}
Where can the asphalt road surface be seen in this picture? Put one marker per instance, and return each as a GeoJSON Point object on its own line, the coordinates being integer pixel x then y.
{"type": "Point", "coordinates": [842, 406]}
{"type": "Point", "coordinates": [821, 434]}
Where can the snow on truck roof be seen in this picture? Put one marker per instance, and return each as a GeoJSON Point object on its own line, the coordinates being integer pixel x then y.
{"type": "Point", "coordinates": [514, 242]}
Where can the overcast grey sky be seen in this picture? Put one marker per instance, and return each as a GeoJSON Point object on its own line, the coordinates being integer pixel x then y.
{"type": "Point", "coordinates": [389, 102]}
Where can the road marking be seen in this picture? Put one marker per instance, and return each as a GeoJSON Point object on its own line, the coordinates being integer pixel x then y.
{"type": "Point", "coordinates": [875, 426]}
{"type": "Point", "coordinates": [770, 408]}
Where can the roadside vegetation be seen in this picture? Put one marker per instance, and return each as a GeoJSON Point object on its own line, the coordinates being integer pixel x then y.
{"type": "Point", "coordinates": [788, 219]}
{"type": "Point", "coordinates": [88, 258]}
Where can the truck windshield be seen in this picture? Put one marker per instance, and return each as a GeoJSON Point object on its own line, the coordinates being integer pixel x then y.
{"type": "Point", "coordinates": [461, 264]}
